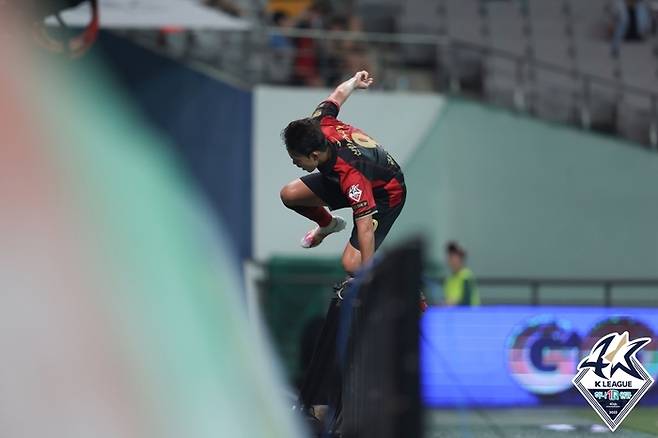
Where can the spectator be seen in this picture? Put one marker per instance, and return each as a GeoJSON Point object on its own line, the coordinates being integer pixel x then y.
{"type": "Point", "coordinates": [459, 287]}
{"type": "Point", "coordinates": [342, 55]}
{"type": "Point", "coordinates": [334, 64]}
{"type": "Point", "coordinates": [306, 65]}
{"type": "Point", "coordinates": [632, 21]}
{"type": "Point", "coordinates": [282, 51]}
{"type": "Point", "coordinates": [282, 21]}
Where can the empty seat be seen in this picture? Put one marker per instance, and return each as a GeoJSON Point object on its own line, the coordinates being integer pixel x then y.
{"type": "Point", "coordinates": [463, 20]}
{"type": "Point", "coordinates": [418, 16]}
{"type": "Point", "coordinates": [638, 65]}
{"type": "Point", "coordinates": [633, 121]}
{"type": "Point", "coordinates": [506, 26]}
{"type": "Point", "coordinates": [594, 57]}
{"type": "Point", "coordinates": [555, 96]}
{"type": "Point", "coordinates": [549, 38]}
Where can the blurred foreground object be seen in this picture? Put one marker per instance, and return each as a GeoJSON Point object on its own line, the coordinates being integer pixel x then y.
{"type": "Point", "coordinates": [120, 308]}
{"type": "Point", "coordinates": [40, 9]}
{"type": "Point", "coordinates": [35, 12]}
{"type": "Point", "coordinates": [366, 356]}
{"type": "Point", "coordinates": [378, 347]}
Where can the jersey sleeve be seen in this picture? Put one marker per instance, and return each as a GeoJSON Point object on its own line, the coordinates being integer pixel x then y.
{"type": "Point", "coordinates": [358, 191]}
{"type": "Point", "coordinates": [327, 108]}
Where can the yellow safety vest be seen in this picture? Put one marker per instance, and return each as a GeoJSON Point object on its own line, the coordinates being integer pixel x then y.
{"type": "Point", "coordinates": [460, 289]}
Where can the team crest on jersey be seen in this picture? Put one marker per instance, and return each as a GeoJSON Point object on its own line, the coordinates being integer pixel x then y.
{"type": "Point", "coordinates": [355, 193]}
{"type": "Point", "coordinates": [612, 379]}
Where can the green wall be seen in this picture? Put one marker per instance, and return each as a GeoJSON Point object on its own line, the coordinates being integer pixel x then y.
{"type": "Point", "coordinates": [529, 198]}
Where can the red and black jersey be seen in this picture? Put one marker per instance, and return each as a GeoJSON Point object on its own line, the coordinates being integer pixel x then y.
{"type": "Point", "coordinates": [367, 175]}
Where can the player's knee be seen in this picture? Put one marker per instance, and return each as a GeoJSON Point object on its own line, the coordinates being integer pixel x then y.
{"type": "Point", "coordinates": [351, 262]}
{"type": "Point", "coordinates": [288, 195]}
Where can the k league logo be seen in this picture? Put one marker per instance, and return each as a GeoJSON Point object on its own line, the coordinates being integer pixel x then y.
{"type": "Point", "coordinates": [612, 379]}
{"type": "Point", "coordinates": [355, 193]}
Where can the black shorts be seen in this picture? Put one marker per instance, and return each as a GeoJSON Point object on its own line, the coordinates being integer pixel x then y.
{"type": "Point", "coordinates": [330, 192]}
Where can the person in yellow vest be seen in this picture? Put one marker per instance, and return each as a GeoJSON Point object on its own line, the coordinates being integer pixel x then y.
{"type": "Point", "coordinates": [459, 287]}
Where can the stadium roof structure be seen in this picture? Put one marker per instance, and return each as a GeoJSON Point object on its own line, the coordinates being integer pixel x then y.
{"type": "Point", "coordinates": [149, 14]}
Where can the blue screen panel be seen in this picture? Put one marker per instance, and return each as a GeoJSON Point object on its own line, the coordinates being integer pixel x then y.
{"type": "Point", "coordinates": [520, 355]}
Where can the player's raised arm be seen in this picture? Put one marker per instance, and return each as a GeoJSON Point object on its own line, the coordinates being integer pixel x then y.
{"type": "Point", "coordinates": [361, 80]}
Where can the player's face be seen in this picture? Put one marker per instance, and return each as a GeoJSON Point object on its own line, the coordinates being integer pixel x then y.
{"type": "Point", "coordinates": [455, 262]}
{"type": "Point", "coordinates": [308, 163]}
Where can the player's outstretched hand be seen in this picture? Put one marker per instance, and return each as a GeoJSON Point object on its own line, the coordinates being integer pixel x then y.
{"type": "Point", "coordinates": [363, 79]}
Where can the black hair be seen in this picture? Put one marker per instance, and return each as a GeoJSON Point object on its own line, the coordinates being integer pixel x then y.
{"type": "Point", "coordinates": [453, 247]}
{"type": "Point", "coordinates": [278, 17]}
{"type": "Point", "coordinates": [339, 21]}
{"type": "Point", "coordinates": [304, 136]}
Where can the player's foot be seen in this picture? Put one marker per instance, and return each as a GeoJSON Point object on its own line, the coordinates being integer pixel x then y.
{"type": "Point", "coordinates": [315, 237]}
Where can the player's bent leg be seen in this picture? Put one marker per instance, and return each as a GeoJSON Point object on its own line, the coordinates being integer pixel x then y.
{"type": "Point", "coordinates": [351, 259]}
{"type": "Point", "coordinates": [297, 194]}
{"type": "Point", "coordinates": [299, 197]}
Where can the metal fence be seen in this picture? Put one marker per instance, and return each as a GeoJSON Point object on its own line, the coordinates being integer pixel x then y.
{"type": "Point", "coordinates": [605, 292]}
{"type": "Point", "coordinates": [429, 63]}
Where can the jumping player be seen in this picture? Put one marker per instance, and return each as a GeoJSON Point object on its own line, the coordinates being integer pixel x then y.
{"type": "Point", "coordinates": [354, 171]}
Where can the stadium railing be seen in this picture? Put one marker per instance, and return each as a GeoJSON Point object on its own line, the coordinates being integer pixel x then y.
{"type": "Point", "coordinates": [434, 63]}
{"type": "Point", "coordinates": [605, 292]}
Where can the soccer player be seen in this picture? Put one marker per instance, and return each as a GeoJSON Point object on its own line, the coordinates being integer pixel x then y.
{"type": "Point", "coordinates": [354, 171]}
